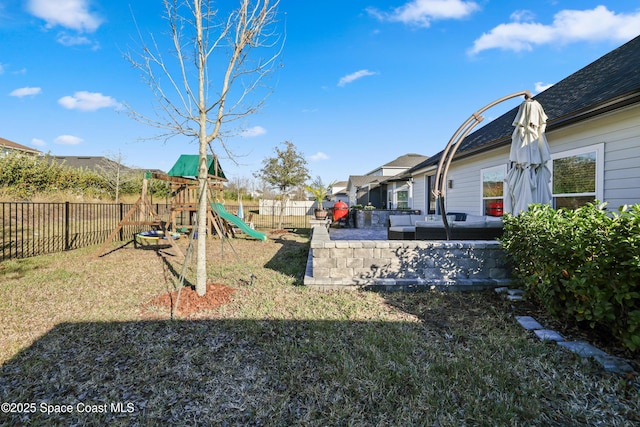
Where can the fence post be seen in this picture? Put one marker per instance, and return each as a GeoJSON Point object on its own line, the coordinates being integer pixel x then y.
{"type": "Point", "coordinates": [120, 220]}
{"type": "Point", "coordinates": [66, 226]}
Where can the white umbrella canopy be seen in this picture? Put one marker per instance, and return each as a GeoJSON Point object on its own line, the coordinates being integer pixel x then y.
{"type": "Point", "coordinates": [240, 210]}
{"type": "Point", "coordinates": [528, 179]}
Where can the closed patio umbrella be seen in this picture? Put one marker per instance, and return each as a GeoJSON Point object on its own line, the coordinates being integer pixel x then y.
{"type": "Point", "coordinates": [240, 210]}
{"type": "Point", "coordinates": [528, 179]}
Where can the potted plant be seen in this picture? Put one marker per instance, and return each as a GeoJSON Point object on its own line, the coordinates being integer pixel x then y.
{"type": "Point", "coordinates": [319, 192]}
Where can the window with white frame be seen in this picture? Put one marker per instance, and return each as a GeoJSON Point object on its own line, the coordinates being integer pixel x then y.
{"type": "Point", "coordinates": [402, 197]}
{"type": "Point", "coordinates": [493, 190]}
{"type": "Point", "coordinates": [577, 176]}
{"type": "Point", "coordinates": [398, 197]}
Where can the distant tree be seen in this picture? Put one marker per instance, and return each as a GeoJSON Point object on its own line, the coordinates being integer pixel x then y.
{"type": "Point", "coordinates": [240, 187]}
{"type": "Point", "coordinates": [114, 172]}
{"type": "Point", "coordinates": [210, 82]}
{"type": "Point", "coordinates": [285, 172]}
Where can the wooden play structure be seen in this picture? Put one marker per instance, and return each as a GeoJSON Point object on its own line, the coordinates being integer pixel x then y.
{"type": "Point", "coordinates": [184, 201]}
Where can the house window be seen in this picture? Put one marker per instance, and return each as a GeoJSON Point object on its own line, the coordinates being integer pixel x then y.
{"type": "Point", "coordinates": [403, 199]}
{"type": "Point", "coordinates": [398, 198]}
{"type": "Point", "coordinates": [431, 186]}
{"type": "Point", "coordinates": [493, 190]}
{"type": "Point", "coordinates": [577, 176]}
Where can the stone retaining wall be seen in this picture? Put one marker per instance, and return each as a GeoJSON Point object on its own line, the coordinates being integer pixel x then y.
{"type": "Point", "coordinates": [404, 264]}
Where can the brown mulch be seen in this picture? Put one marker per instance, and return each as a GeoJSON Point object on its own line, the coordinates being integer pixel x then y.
{"type": "Point", "coordinates": [190, 302]}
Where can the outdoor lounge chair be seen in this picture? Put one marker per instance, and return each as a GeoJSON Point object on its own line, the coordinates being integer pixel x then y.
{"type": "Point", "coordinates": [403, 227]}
{"type": "Point", "coordinates": [473, 227]}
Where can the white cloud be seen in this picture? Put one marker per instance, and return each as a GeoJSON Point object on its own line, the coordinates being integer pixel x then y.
{"type": "Point", "coordinates": [68, 140]}
{"type": "Point", "coordinates": [26, 91]}
{"type": "Point", "coordinates": [355, 76]}
{"type": "Point", "coordinates": [1, 68]}
{"type": "Point", "coordinates": [67, 40]}
{"type": "Point", "coordinates": [254, 131]}
{"type": "Point", "coordinates": [319, 156]}
{"type": "Point", "coordinates": [72, 14]}
{"type": "Point", "coordinates": [422, 12]}
{"type": "Point", "coordinates": [87, 101]}
{"type": "Point", "coordinates": [522, 15]}
{"type": "Point", "coordinates": [542, 86]}
{"type": "Point", "coordinates": [569, 26]}
{"type": "Point", "coordinates": [38, 142]}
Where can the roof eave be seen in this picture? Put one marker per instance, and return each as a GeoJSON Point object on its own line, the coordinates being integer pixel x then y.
{"type": "Point", "coordinates": [618, 103]}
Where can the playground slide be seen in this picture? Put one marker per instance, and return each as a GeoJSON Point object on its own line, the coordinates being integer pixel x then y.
{"type": "Point", "coordinates": [220, 210]}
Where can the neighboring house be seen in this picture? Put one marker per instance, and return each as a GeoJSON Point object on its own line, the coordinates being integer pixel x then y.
{"type": "Point", "coordinates": [339, 192]}
{"type": "Point", "coordinates": [90, 163]}
{"type": "Point", "coordinates": [398, 165]}
{"type": "Point", "coordinates": [385, 186]}
{"type": "Point", "coordinates": [593, 131]}
{"type": "Point", "coordinates": [7, 147]}
{"type": "Point", "coordinates": [97, 164]}
{"type": "Point", "coordinates": [359, 190]}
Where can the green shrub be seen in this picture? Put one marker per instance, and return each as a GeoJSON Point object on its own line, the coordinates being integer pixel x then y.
{"type": "Point", "coordinates": [581, 264]}
{"type": "Point", "coordinates": [24, 176]}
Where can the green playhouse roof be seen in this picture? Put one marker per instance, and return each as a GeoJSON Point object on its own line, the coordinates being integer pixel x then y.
{"type": "Point", "coordinates": [187, 166]}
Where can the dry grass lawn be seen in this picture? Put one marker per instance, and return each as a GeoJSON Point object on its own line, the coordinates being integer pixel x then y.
{"type": "Point", "coordinates": [80, 346]}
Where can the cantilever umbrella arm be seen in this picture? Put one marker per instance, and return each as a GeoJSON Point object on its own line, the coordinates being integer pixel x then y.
{"type": "Point", "coordinates": [450, 150]}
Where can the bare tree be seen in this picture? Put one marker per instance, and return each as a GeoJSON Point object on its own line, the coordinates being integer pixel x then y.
{"type": "Point", "coordinates": [115, 173]}
{"type": "Point", "coordinates": [242, 185]}
{"type": "Point", "coordinates": [209, 82]}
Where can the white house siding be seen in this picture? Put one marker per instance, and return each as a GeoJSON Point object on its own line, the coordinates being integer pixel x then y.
{"type": "Point", "coordinates": [619, 132]}
{"type": "Point", "coordinates": [466, 195]}
{"type": "Point", "coordinates": [420, 191]}
{"type": "Point", "coordinates": [419, 199]}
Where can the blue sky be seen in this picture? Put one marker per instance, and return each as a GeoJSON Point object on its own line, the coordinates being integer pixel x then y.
{"type": "Point", "coordinates": [359, 82]}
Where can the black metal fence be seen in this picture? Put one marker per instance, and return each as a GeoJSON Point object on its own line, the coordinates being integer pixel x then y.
{"type": "Point", "coordinates": [29, 229]}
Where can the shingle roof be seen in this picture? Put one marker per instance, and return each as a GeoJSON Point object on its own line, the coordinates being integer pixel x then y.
{"type": "Point", "coordinates": [361, 180]}
{"type": "Point", "coordinates": [16, 146]}
{"type": "Point", "coordinates": [93, 163]}
{"type": "Point", "coordinates": [406, 161]}
{"type": "Point", "coordinates": [611, 82]}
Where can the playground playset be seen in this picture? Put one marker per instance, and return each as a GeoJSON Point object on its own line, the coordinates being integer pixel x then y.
{"type": "Point", "coordinates": [182, 178]}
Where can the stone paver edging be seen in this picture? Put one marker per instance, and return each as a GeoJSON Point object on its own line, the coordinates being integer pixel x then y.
{"type": "Point", "coordinates": [611, 364]}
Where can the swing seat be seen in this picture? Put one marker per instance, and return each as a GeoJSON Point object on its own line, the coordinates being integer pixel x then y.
{"type": "Point", "coordinates": [154, 236]}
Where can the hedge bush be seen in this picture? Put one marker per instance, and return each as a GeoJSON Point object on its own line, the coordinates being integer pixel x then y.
{"type": "Point", "coordinates": [581, 264]}
{"type": "Point", "coordinates": [23, 176]}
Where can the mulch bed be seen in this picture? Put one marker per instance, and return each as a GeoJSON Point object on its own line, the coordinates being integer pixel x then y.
{"type": "Point", "coordinates": [190, 302]}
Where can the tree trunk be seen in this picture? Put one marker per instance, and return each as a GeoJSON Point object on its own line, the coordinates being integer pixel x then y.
{"type": "Point", "coordinates": [283, 206]}
{"type": "Point", "coordinates": [118, 186]}
{"type": "Point", "coordinates": [201, 260]}
{"type": "Point", "coordinates": [203, 170]}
